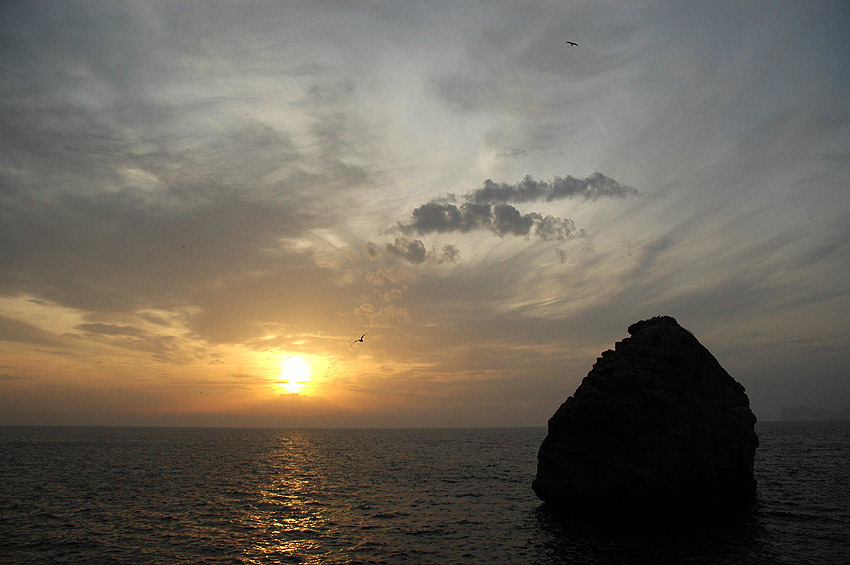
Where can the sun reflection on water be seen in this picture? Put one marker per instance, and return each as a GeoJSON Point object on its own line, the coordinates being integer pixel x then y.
{"type": "Point", "coordinates": [286, 506]}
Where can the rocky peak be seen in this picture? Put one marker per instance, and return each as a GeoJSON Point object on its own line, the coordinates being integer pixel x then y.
{"type": "Point", "coordinates": [657, 422]}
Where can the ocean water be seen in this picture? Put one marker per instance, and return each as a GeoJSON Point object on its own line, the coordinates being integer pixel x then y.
{"type": "Point", "coordinates": [160, 495]}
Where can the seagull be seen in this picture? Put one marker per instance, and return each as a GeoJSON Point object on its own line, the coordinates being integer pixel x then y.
{"type": "Point", "coordinates": [572, 43]}
{"type": "Point", "coordinates": [356, 340]}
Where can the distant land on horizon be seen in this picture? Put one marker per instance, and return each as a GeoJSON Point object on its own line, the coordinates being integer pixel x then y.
{"type": "Point", "coordinates": [806, 413]}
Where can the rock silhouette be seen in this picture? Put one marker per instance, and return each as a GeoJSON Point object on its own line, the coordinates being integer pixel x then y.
{"type": "Point", "coordinates": [656, 424]}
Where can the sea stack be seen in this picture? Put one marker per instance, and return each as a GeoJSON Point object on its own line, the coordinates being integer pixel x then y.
{"type": "Point", "coordinates": [657, 424]}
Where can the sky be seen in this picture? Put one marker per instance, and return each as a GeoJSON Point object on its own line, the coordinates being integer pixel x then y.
{"type": "Point", "coordinates": [203, 205]}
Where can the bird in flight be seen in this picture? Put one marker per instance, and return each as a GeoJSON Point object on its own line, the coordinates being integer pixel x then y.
{"type": "Point", "coordinates": [356, 340]}
{"type": "Point", "coordinates": [572, 43]}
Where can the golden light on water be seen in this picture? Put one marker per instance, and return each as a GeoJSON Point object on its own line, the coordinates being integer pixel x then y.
{"type": "Point", "coordinates": [294, 374]}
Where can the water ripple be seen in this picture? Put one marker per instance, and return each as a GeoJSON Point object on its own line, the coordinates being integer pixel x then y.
{"type": "Point", "coordinates": [117, 495]}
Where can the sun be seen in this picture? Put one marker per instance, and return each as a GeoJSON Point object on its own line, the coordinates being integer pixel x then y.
{"type": "Point", "coordinates": [294, 374]}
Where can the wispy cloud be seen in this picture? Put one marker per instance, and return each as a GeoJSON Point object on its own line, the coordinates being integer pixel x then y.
{"type": "Point", "coordinates": [22, 332]}
{"type": "Point", "coordinates": [162, 347]}
{"type": "Point", "coordinates": [209, 185]}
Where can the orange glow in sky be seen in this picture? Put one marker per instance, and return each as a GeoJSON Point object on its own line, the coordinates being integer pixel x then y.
{"type": "Point", "coordinates": [197, 233]}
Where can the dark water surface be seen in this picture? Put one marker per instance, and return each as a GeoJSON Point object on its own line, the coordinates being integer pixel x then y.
{"type": "Point", "coordinates": [159, 495]}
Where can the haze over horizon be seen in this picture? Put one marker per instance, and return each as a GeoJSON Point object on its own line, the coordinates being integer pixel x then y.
{"type": "Point", "coordinates": [203, 206]}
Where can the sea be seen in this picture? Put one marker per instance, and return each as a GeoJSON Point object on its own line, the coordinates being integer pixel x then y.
{"type": "Point", "coordinates": [201, 495]}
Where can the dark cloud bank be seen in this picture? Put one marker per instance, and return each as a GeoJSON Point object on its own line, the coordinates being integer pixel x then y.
{"type": "Point", "coordinates": [489, 208]}
{"type": "Point", "coordinates": [593, 187]}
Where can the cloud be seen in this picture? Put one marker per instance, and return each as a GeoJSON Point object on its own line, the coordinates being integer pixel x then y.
{"type": "Point", "coordinates": [5, 377]}
{"type": "Point", "coordinates": [388, 315]}
{"type": "Point", "coordinates": [445, 217]}
{"type": "Point", "coordinates": [22, 332]}
{"type": "Point", "coordinates": [412, 250]}
{"type": "Point", "coordinates": [593, 187]}
{"type": "Point", "coordinates": [183, 195]}
{"type": "Point", "coordinates": [489, 209]}
{"type": "Point", "coordinates": [562, 255]}
{"type": "Point", "coordinates": [392, 275]}
{"type": "Point", "coordinates": [550, 228]}
{"type": "Point", "coordinates": [150, 186]}
{"type": "Point", "coordinates": [435, 217]}
{"type": "Point", "coordinates": [111, 329]}
{"type": "Point", "coordinates": [509, 220]}
{"type": "Point", "coordinates": [371, 250]}
{"type": "Point", "coordinates": [449, 254]}
{"type": "Point", "coordinates": [164, 348]}
{"type": "Point", "coordinates": [154, 319]}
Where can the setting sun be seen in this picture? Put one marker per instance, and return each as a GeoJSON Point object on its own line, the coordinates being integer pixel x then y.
{"type": "Point", "coordinates": [294, 374]}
